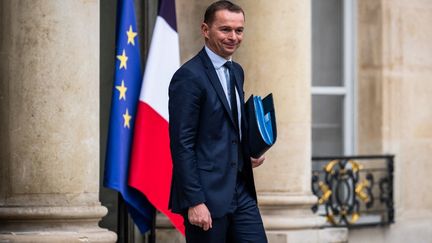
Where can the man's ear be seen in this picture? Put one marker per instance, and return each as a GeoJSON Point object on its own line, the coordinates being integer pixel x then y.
{"type": "Point", "coordinates": [205, 30]}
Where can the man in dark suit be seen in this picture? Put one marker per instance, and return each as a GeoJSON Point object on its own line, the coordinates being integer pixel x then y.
{"type": "Point", "coordinates": [212, 183]}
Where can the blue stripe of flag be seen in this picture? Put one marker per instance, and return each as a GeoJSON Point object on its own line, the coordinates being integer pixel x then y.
{"type": "Point", "coordinates": [167, 12]}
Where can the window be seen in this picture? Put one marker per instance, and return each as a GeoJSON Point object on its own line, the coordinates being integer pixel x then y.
{"type": "Point", "coordinates": [333, 76]}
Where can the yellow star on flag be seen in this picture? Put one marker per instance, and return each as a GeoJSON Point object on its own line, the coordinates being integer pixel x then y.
{"type": "Point", "coordinates": [131, 35]}
{"type": "Point", "coordinates": [122, 89]}
{"type": "Point", "coordinates": [123, 59]}
{"type": "Point", "coordinates": [127, 119]}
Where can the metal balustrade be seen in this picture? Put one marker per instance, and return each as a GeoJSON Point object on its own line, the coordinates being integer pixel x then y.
{"type": "Point", "coordinates": [354, 191]}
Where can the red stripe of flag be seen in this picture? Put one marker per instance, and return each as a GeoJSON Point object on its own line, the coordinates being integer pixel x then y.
{"type": "Point", "coordinates": [151, 166]}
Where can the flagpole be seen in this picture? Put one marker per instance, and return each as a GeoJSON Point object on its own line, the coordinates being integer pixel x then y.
{"type": "Point", "coordinates": [122, 221]}
{"type": "Point", "coordinates": [152, 237]}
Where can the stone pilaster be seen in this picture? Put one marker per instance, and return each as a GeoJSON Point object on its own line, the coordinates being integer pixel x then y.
{"type": "Point", "coordinates": [395, 86]}
{"type": "Point", "coordinates": [276, 56]}
{"type": "Point", "coordinates": [49, 122]}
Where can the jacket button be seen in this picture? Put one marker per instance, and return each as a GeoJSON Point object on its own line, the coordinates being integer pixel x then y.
{"type": "Point", "coordinates": [233, 164]}
{"type": "Point", "coordinates": [234, 141]}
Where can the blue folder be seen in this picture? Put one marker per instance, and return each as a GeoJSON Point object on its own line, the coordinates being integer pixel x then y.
{"type": "Point", "coordinates": [262, 133]}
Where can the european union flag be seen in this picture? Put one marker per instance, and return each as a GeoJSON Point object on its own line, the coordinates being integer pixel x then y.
{"type": "Point", "coordinates": [127, 85]}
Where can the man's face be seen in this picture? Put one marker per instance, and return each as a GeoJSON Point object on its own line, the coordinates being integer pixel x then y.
{"type": "Point", "coordinates": [225, 34]}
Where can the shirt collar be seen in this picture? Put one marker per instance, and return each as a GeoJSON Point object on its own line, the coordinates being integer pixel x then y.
{"type": "Point", "coordinates": [216, 60]}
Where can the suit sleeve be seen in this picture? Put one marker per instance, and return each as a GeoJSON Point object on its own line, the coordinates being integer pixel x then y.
{"type": "Point", "coordinates": [185, 96]}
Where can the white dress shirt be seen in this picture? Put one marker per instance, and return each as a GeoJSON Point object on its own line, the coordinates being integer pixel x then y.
{"type": "Point", "coordinates": [223, 74]}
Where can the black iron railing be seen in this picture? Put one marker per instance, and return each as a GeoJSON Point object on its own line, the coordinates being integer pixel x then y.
{"type": "Point", "coordinates": [354, 191]}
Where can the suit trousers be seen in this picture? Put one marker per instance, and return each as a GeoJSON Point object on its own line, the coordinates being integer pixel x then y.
{"type": "Point", "coordinates": [243, 222]}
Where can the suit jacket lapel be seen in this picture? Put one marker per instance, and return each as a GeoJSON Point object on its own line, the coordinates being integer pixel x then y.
{"type": "Point", "coordinates": [214, 80]}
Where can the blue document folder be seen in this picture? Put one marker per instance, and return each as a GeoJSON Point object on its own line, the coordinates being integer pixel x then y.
{"type": "Point", "coordinates": [260, 115]}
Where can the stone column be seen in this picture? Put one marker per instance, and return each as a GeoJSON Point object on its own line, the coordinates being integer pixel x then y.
{"type": "Point", "coordinates": [49, 122]}
{"type": "Point", "coordinates": [276, 56]}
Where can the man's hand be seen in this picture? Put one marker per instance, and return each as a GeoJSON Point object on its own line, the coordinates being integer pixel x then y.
{"type": "Point", "coordinates": [257, 162]}
{"type": "Point", "coordinates": [199, 215]}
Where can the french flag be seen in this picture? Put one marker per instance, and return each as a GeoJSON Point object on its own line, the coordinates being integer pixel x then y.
{"type": "Point", "coordinates": [150, 165]}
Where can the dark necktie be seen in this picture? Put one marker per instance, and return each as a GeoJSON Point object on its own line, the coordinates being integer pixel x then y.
{"type": "Point", "coordinates": [234, 111]}
{"type": "Point", "coordinates": [232, 94]}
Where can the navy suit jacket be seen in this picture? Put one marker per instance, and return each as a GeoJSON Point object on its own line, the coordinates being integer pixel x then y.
{"type": "Point", "coordinates": [203, 139]}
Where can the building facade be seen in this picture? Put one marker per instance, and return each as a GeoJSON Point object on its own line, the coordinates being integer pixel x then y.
{"type": "Point", "coordinates": [348, 77]}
